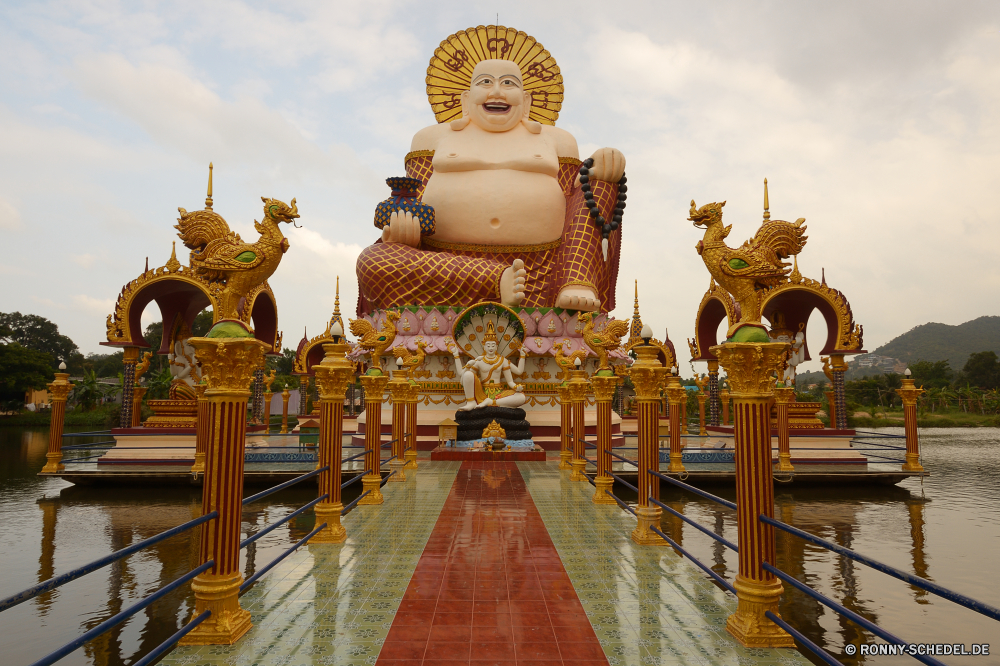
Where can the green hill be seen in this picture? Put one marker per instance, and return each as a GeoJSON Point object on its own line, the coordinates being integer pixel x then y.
{"type": "Point", "coordinates": [940, 342]}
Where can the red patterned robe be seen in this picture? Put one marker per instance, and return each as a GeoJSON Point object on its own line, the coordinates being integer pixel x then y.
{"type": "Point", "coordinates": [458, 274]}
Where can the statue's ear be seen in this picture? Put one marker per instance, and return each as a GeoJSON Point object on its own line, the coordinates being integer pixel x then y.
{"type": "Point", "coordinates": [527, 104]}
{"type": "Point", "coordinates": [461, 123]}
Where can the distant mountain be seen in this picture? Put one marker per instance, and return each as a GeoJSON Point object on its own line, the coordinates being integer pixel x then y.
{"type": "Point", "coordinates": [940, 342]}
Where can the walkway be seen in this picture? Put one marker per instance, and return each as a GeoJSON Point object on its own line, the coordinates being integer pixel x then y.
{"type": "Point", "coordinates": [490, 587]}
{"type": "Point", "coordinates": [504, 563]}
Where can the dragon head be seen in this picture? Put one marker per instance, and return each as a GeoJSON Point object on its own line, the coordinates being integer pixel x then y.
{"type": "Point", "coordinates": [707, 215]}
{"type": "Point", "coordinates": [280, 211]}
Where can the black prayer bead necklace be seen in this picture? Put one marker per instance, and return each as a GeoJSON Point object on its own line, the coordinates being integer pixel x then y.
{"type": "Point", "coordinates": [595, 214]}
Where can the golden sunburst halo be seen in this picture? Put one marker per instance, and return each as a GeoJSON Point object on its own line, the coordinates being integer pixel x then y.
{"type": "Point", "coordinates": [450, 70]}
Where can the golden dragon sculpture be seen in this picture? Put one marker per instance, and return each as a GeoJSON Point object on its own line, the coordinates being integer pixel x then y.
{"type": "Point", "coordinates": [376, 341]}
{"type": "Point", "coordinates": [220, 255]}
{"type": "Point", "coordinates": [410, 360]}
{"type": "Point", "coordinates": [567, 362]}
{"type": "Point", "coordinates": [605, 341]}
{"type": "Point", "coordinates": [749, 269]}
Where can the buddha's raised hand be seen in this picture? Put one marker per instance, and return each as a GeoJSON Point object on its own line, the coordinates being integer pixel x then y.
{"type": "Point", "coordinates": [609, 165]}
{"type": "Point", "coordinates": [403, 228]}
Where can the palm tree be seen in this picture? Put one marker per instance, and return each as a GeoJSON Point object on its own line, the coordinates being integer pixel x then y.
{"type": "Point", "coordinates": [88, 392]}
{"type": "Point", "coordinates": [159, 384]}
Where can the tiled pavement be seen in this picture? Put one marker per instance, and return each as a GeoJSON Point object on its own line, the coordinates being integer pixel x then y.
{"type": "Point", "coordinates": [490, 588]}
{"type": "Point", "coordinates": [335, 604]}
{"type": "Point", "coordinates": [647, 605]}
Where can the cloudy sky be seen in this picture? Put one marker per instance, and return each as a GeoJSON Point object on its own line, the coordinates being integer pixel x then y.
{"type": "Point", "coordinates": [878, 122]}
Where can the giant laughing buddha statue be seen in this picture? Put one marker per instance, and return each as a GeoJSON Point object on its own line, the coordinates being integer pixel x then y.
{"type": "Point", "coordinates": [516, 219]}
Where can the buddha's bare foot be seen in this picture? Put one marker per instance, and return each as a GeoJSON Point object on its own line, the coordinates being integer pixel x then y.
{"type": "Point", "coordinates": [402, 228]}
{"type": "Point", "coordinates": [468, 406]}
{"type": "Point", "coordinates": [577, 297]}
{"type": "Point", "coordinates": [512, 284]}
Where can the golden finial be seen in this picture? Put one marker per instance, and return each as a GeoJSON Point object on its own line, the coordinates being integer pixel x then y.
{"type": "Point", "coordinates": [336, 306]}
{"type": "Point", "coordinates": [208, 199]}
{"type": "Point", "coordinates": [796, 276]}
{"type": "Point", "coordinates": [172, 263]}
{"type": "Point", "coordinates": [767, 206]}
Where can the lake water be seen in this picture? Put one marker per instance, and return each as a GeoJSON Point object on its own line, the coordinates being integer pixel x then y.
{"type": "Point", "coordinates": [946, 529]}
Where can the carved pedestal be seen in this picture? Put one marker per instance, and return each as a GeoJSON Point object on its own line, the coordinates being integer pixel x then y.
{"type": "Point", "coordinates": [374, 386]}
{"type": "Point", "coordinates": [909, 394]}
{"type": "Point", "coordinates": [647, 376]}
{"type": "Point", "coordinates": [229, 364]}
{"type": "Point", "coordinates": [58, 392]}
{"type": "Point", "coordinates": [332, 377]}
{"type": "Point", "coordinates": [751, 368]}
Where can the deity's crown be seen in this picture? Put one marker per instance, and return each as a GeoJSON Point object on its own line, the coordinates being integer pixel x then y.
{"type": "Point", "coordinates": [450, 70]}
{"type": "Point", "coordinates": [491, 333]}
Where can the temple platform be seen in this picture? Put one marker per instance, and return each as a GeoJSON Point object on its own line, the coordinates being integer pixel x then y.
{"type": "Point", "coordinates": [461, 453]}
{"type": "Point", "coordinates": [476, 563]}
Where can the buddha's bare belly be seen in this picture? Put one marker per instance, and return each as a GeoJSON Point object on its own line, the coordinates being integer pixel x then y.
{"type": "Point", "coordinates": [496, 207]}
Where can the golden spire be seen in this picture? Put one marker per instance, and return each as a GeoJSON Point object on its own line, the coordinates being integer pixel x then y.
{"type": "Point", "coordinates": [336, 307]}
{"type": "Point", "coordinates": [636, 328]}
{"type": "Point", "coordinates": [172, 264]}
{"type": "Point", "coordinates": [795, 277]}
{"type": "Point", "coordinates": [208, 199]}
{"type": "Point", "coordinates": [491, 333]}
{"type": "Point", "coordinates": [767, 206]}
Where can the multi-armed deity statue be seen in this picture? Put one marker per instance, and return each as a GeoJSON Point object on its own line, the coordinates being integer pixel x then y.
{"type": "Point", "coordinates": [512, 223]}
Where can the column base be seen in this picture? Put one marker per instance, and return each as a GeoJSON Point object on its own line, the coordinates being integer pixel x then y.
{"type": "Point", "coordinates": [411, 459]}
{"type": "Point", "coordinates": [748, 624]}
{"type": "Point", "coordinates": [785, 462]}
{"type": "Point", "coordinates": [199, 464]}
{"type": "Point", "coordinates": [54, 464]}
{"type": "Point", "coordinates": [676, 463]}
{"type": "Point", "coordinates": [912, 463]}
{"type": "Point", "coordinates": [647, 516]}
{"type": "Point", "coordinates": [397, 466]}
{"type": "Point", "coordinates": [603, 483]}
{"type": "Point", "coordinates": [701, 431]}
{"type": "Point", "coordinates": [578, 465]}
{"type": "Point", "coordinates": [228, 622]}
{"type": "Point", "coordinates": [372, 482]}
{"type": "Point", "coordinates": [565, 458]}
{"type": "Point", "coordinates": [334, 532]}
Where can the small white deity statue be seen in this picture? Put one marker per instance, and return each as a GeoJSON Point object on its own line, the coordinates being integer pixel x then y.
{"type": "Point", "coordinates": [488, 379]}
{"type": "Point", "coordinates": [797, 356]}
{"type": "Point", "coordinates": [183, 367]}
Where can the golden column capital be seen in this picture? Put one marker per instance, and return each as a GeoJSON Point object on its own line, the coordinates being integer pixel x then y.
{"type": "Point", "coordinates": [59, 388]}
{"type": "Point", "coordinates": [784, 394]}
{"type": "Point", "coordinates": [604, 387]}
{"type": "Point", "coordinates": [229, 363]}
{"type": "Point", "coordinates": [713, 365]}
{"type": "Point", "coordinates": [838, 362]}
{"type": "Point", "coordinates": [334, 372]}
{"type": "Point", "coordinates": [909, 393]}
{"type": "Point", "coordinates": [751, 366]}
{"type": "Point", "coordinates": [647, 373]}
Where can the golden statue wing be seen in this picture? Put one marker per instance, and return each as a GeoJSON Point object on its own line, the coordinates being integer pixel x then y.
{"type": "Point", "coordinates": [614, 330]}
{"type": "Point", "coordinates": [361, 329]}
{"type": "Point", "coordinates": [228, 254]}
{"type": "Point", "coordinates": [777, 240]}
{"type": "Point", "coordinates": [199, 228]}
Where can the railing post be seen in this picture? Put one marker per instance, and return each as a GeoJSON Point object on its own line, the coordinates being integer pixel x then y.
{"type": "Point", "coordinates": [399, 388]}
{"type": "Point", "coordinates": [130, 356]}
{"type": "Point", "coordinates": [374, 385]}
{"type": "Point", "coordinates": [724, 398]}
{"type": "Point", "coordinates": [909, 394]}
{"type": "Point", "coordinates": [565, 425]}
{"type": "Point", "coordinates": [201, 429]}
{"type": "Point", "coordinates": [332, 377]}
{"type": "Point", "coordinates": [647, 376]}
{"type": "Point", "coordinates": [831, 402]}
{"type": "Point", "coordinates": [701, 414]}
{"type": "Point", "coordinates": [412, 397]}
{"type": "Point", "coordinates": [676, 395]}
{"type": "Point", "coordinates": [58, 393]}
{"type": "Point", "coordinates": [839, 368]}
{"type": "Point", "coordinates": [578, 391]}
{"type": "Point", "coordinates": [285, 395]}
{"type": "Point", "coordinates": [604, 392]}
{"type": "Point", "coordinates": [751, 368]}
{"type": "Point", "coordinates": [783, 397]}
{"type": "Point", "coordinates": [713, 392]}
{"type": "Point", "coordinates": [229, 363]}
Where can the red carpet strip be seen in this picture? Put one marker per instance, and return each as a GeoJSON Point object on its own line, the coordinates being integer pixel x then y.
{"type": "Point", "coordinates": [489, 587]}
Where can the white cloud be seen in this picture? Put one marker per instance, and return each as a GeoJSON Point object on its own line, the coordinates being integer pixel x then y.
{"type": "Point", "coordinates": [10, 218]}
{"type": "Point", "coordinates": [83, 260]}
{"type": "Point", "coordinates": [93, 306]}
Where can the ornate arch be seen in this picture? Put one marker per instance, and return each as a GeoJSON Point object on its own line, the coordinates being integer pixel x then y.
{"type": "Point", "coordinates": [715, 306]}
{"type": "Point", "coordinates": [798, 297]}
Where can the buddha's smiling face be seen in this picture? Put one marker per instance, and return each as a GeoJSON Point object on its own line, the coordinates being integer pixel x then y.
{"type": "Point", "coordinates": [496, 101]}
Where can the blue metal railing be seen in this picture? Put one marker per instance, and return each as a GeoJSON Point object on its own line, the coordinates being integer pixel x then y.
{"type": "Point", "coordinates": [286, 484]}
{"type": "Point", "coordinates": [358, 477]}
{"type": "Point", "coordinates": [163, 647]}
{"type": "Point", "coordinates": [800, 637]}
{"type": "Point", "coordinates": [273, 526]}
{"type": "Point", "coordinates": [69, 576]}
{"type": "Point", "coordinates": [270, 565]}
{"type": "Point", "coordinates": [117, 619]}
